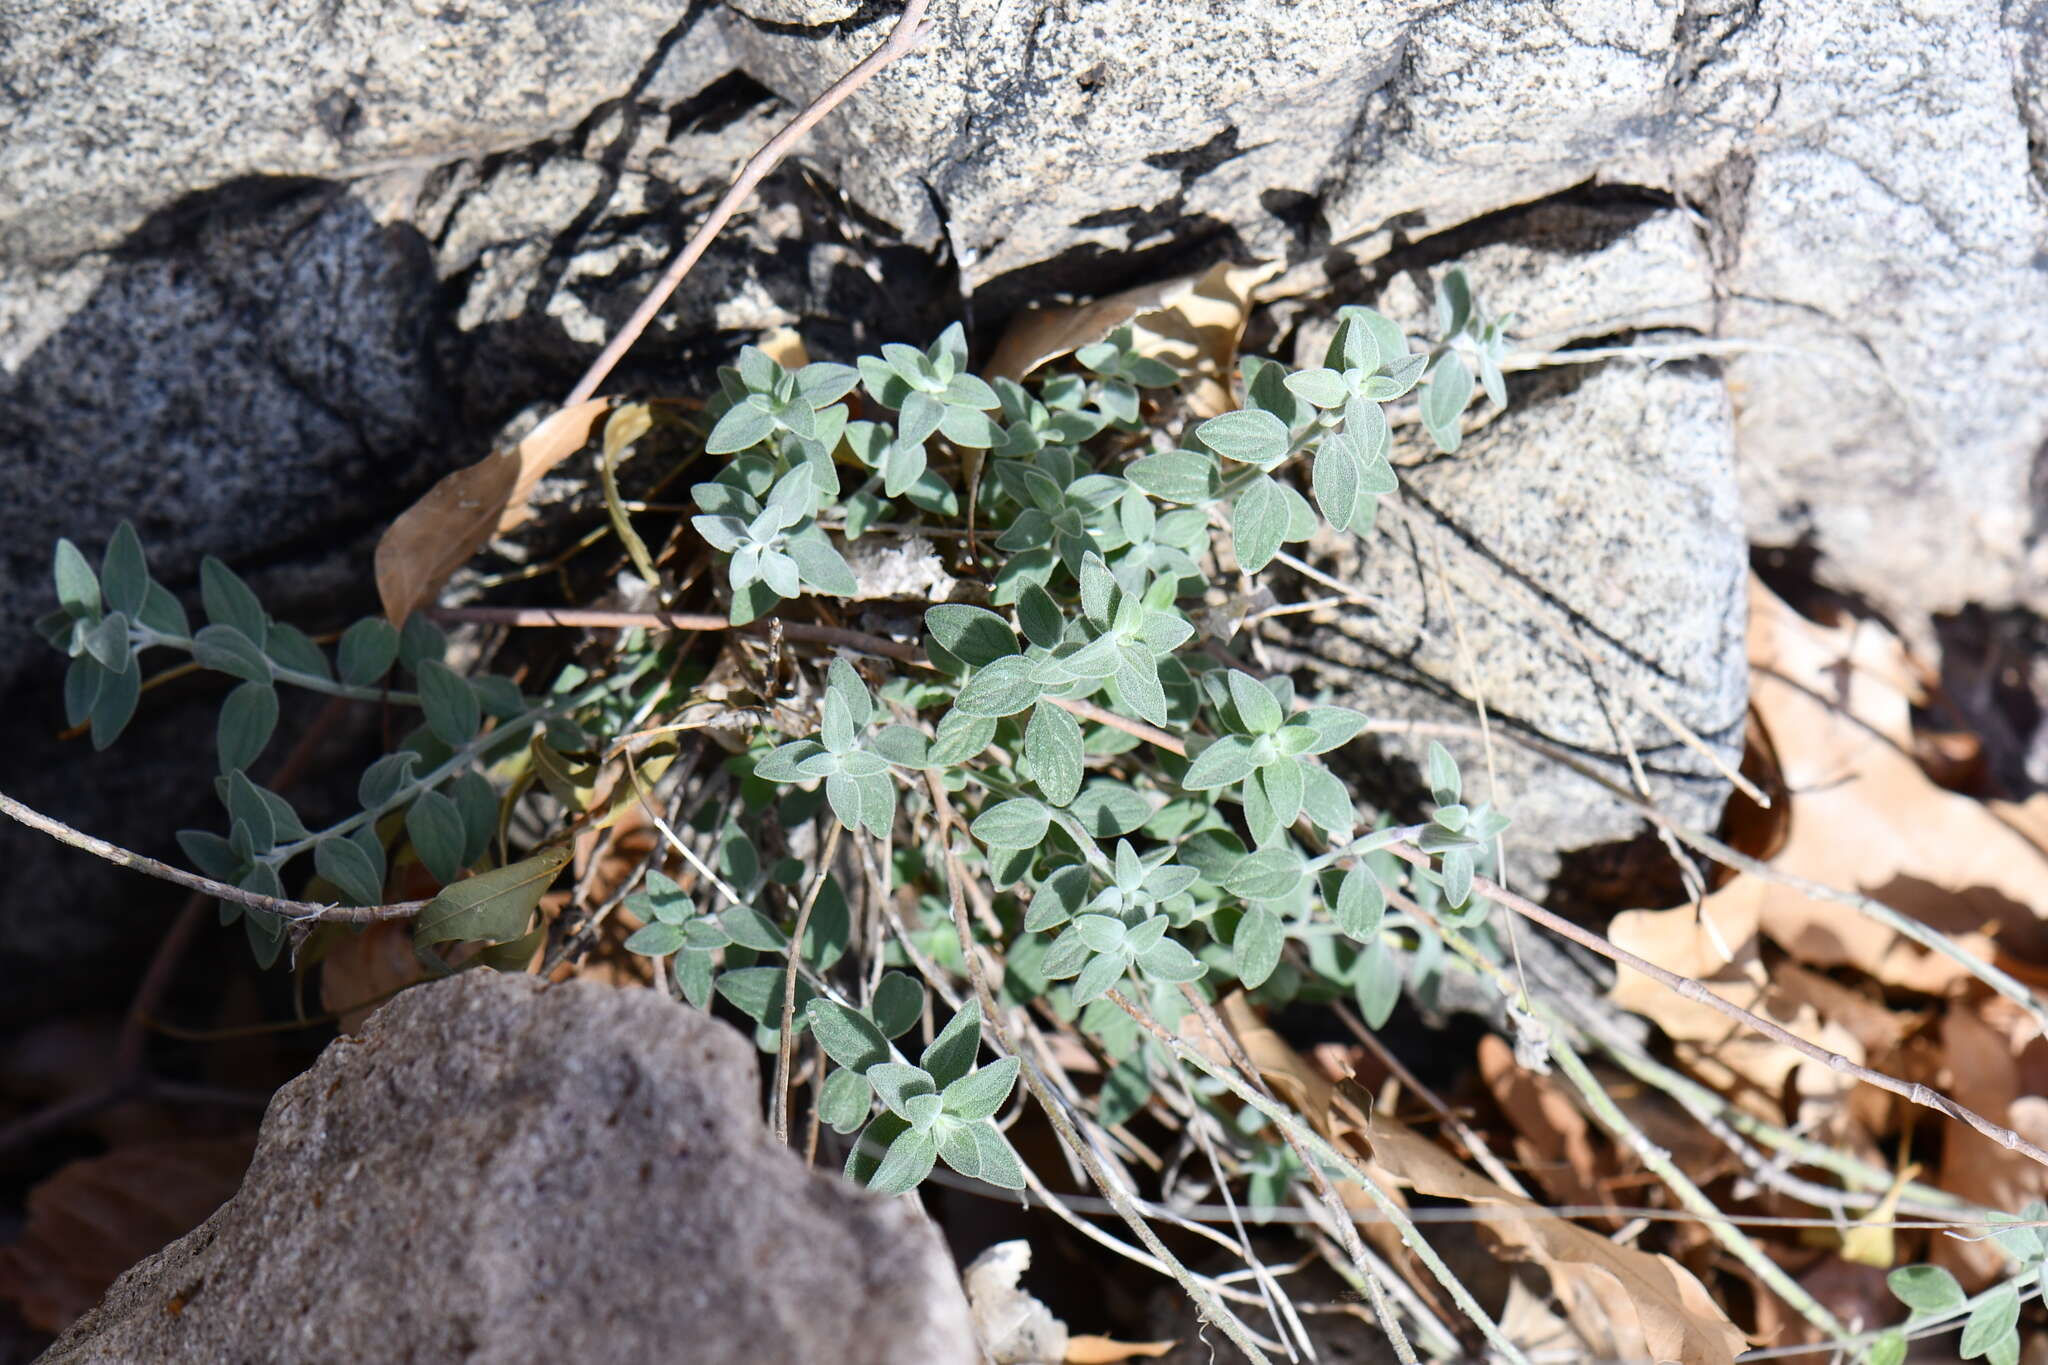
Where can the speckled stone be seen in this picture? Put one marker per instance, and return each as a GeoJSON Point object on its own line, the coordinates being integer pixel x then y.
{"type": "Point", "coordinates": [496, 1172]}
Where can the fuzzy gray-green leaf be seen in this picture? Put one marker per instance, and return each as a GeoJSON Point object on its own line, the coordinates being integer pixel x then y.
{"type": "Point", "coordinates": [344, 863]}
{"type": "Point", "coordinates": [248, 717]}
{"type": "Point", "coordinates": [1003, 688]}
{"type": "Point", "coordinates": [1019, 822]}
{"type": "Point", "coordinates": [1259, 523]}
{"type": "Point", "coordinates": [78, 587]}
{"type": "Point", "coordinates": [974, 635]}
{"type": "Point", "coordinates": [226, 649]}
{"type": "Point", "coordinates": [229, 602]}
{"type": "Point", "coordinates": [847, 1036]}
{"type": "Point", "coordinates": [435, 826]}
{"type": "Point", "coordinates": [1256, 946]}
{"type": "Point", "coordinates": [1052, 749]}
{"type": "Point", "coordinates": [124, 571]}
{"type": "Point", "coordinates": [452, 710]}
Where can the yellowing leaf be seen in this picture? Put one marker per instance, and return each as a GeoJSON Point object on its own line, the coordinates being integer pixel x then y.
{"type": "Point", "coordinates": [569, 781]}
{"type": "Point", "coordinates": [1873, 1241]}
{"type": "Point", "coordinates": [433, 537]}
{"type": "Point", "coordinates": [493, 906]}
{"type": "Point", "coordinates": [626, 425]}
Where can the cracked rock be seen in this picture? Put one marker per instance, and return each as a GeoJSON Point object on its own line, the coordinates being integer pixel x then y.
{"type": "Point", "coordinates": [1600, 507]}
{"type": "Point", "coordinates": [498, 1171]}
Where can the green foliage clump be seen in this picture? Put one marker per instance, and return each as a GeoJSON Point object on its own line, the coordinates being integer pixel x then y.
{"type": "Point", "coordinates": [1141, 815]}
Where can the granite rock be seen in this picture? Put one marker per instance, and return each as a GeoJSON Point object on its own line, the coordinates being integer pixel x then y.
{"type": "Point", "coordinates": [1599, 509]}
{"type": "Point", "coordinates": [1869, 176]}
{"type": "Point", "coordinates": [498, 1171]}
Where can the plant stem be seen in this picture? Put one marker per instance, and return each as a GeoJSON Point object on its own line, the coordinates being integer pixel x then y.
{"type": "Point", "coordinates": [1688, 989]}
{"type": "Point", "coordinates": [1331, 1155]}
{"type": "Point", "coordinates": [778, 1100]}
{"type": "Point", "coordinates": [298, 911]}
{"type": "Point", "coordinates": [142, 637]}
{"type": "Point", "coordinates": [1738, 1243]}
{"type": "Point", "coordinates": [903, 37]}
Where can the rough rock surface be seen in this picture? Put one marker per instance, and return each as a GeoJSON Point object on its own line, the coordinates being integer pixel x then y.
{"type": "Point", "coordinates": [497, 1172]}
{"type": "Point", "coordinates": [1870, 175]}
{"type": "Point", "coordinates": [1642, 563]}
{"type": "Point", "coordinates": [117, 109]}
{"type": "Point", "coordinates": [1589, 539]}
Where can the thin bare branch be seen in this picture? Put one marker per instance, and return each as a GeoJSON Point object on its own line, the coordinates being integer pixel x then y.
{"type": "Point", "coordinates": [1688, 989]}
{"type": "Point", "coordinates": [303, 912]}
{"type": "Point", "coordinates": [778, 1101]}
{"type": "Point", "coordinates": [902, 38]}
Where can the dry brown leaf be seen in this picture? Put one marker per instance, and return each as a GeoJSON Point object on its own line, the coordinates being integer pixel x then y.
{"type": "Point", "coordinates": [1982, 1072]}
{"type": "Point", "coordinates": [1330, 1110]}
{"type": "Point", "coordinates": [1712, 1046]}
{"type": "Point", "coordinates": [1837, 703]}
{"type": "Point", "coordinates": [95, 1218]}
{"type": "Point", "coordinates": [1193, 323]}
{"type": "Point", "coordinates": [1107, 1350]}
{"type": "Point", "coordinates": [1294, 1079]}
{"type": "Point", "coordinates": [1531, 1324]}
{"type": "Point", "coordinates": [1552, 1137]}
{"type": "Point", "coordinates": [361, 971]}
{"type": "Point", "coordinates": [1716, 946]}
{"type": "Point", "coordinates": [433, 537]}
{"type": "Point", "coordinates": [1624, 1302]}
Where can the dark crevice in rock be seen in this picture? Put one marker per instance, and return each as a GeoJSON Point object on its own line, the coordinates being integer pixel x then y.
{"type": "Point", "coordinates": [180, 224]}
{"type": "Point", "coordinates": [1994, 684]}
{"type": "Point", "coordinates": [1091, 269]}
{"type": "Point", "coordinates": [1703, 29]}
{"type": "Point", "coordinates": [867, 16]}
{"type": "Point", "coordinates": [1794, 572]}
{"type": "Point", "coordinates": [1596, 882]}
{"type": "Point", "coordinates": [719, 105]}
{"type": "Point", "coordinates": [1626, 207]}
{"type": "Point", "coordinates": [1724, 203]}
{"type": "Point", "coordinates": [1623, 208]}
{"type": "Point", "coordinates": [2030, 90]}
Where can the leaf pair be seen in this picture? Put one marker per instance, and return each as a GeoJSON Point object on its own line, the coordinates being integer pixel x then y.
{"type": "Point", "coordinates": [941, 1109]}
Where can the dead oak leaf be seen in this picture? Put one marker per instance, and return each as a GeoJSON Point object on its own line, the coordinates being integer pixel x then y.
{"type": "Point", "coordinates": [96, 1217]}
{"type": "Point", "coordinates": [437, 534]}
{"type": "Point", "coordinates": [1837, 703]}
{"type": "Point", "coordinates": [1625, 1303]}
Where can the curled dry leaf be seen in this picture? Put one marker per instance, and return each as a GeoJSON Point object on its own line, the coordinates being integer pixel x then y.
{"type": "Point", "coordinates": [1552, 1137]}
{"type": "Point", "coordinates": [1193, 322]}
{"type": "Point", "coordinates": [1718, 946]}
{"type": "Point", "coordinates": [1528, 1321]}
{"type": "Point", "coordinates": [1086, 1350]}
{"type": "Point", "coordinates": [1625, 1303]}
{"type": "Point", "coordinates": [1983, 1070]}
{"type": "Point", "coordinates": [1837, 702]}
{"type": "Point", "coordinates": [433, 537]}
{"type": "Point", "coordinates": [1328, 1108]}
{"type": "Point", "coordinates": [95, 1218]}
